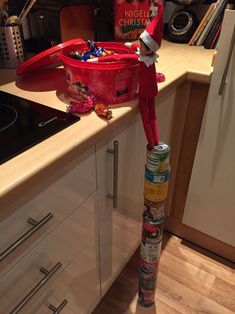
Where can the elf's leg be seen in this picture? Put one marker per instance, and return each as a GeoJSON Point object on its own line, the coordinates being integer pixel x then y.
{"type": "Point", "coordinates": [144, 110]}
{"type": "Point", "coordinates": [153, 120]}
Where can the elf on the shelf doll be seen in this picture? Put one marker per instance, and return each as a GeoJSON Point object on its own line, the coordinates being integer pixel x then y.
{"type": "Point", "coordinates": [149, 43]}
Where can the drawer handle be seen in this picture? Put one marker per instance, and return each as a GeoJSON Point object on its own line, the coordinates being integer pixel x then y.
{"type": "Point", "coordinates": [57, 310]}
{"type": "Point", "coordinates": [35, 226]}
{"type": "Point", "coordinates": [48, 274]}
{"type": "Point", "coordinates": [222, 84]}
{"type": "Point", "coordinates": [114, 151]}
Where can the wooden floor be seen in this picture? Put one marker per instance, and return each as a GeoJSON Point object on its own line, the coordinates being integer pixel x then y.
{"type": "Point", "coordinates": [190, 280]}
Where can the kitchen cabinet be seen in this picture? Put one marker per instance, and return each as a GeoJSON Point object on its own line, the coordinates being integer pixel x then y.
{"type": "Point", "coordinates": [210, 204]}
{"type": "Point", "coordinates": [52, 201]}
{"type": "Point", "coordinates": [49, 202]}
{"type": "Point", "coordinates": [201, 204]}
{"type": "Point", "coordinates": [119, 227]}
{"type": "Point", "coordinates": [71, 253]}
{"type": "Point", "coordinates": [165, 104]}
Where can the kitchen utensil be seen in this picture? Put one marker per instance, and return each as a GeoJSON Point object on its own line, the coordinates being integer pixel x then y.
{"type": "Point", "coordinates": [26, 9]}
{"type": "Point", "coordinates": [17, 20]}
{"type": "Point", "coordinates": [11, 46]}
{"type": "Point", "coordinates": [3, 17]}
{"type": "Point", "coordinates": [13, 20]}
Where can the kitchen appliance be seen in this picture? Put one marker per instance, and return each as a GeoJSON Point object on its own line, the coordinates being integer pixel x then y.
{"type": "Point", "coordinates": [182, 26]}
{"type": "Point", "coordinates": [55, 21]}
{"type": "Point", "coordinates": [24, 123]}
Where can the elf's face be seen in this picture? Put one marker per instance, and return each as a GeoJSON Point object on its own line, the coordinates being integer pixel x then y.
{"type": "Point", "coordinates": [144, 51]}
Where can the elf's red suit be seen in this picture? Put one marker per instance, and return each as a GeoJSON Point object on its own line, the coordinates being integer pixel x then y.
{"type": "Point", "coordinates": [152, 38]}
{"type": "Point", "coordinates": [147, 92]}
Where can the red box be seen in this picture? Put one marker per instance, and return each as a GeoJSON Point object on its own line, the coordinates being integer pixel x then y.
{"type": "Point", "coordinates": [131, 18]}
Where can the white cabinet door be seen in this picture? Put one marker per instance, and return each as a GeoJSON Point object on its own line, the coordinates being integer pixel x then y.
{"type": "Point", "coordinates": [210, 205]}
{"type": "Point", "coordinates": [120, 228]}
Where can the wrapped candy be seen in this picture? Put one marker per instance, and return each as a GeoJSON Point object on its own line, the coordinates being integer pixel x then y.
{"type": "Point", "coordinates": [160, 77]}
{"type": "Point", "coordinates": [81, 106]}
{"type": "Point", "coordinates": [93, 52]}
{"type": "Point", "coordinates": [103, 111]}
{"type": "Point", "coordinates": [76, 55]}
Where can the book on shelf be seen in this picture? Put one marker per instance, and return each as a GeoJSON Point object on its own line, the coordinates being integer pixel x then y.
{"type": "Point", "coordinates": [202, 24]}
{"type": "Point", "coordinates": [219, 8]}
{"type": "Point", "coordinates": [213, 31]}
{"type": "Point", "coordinates": [216, 38]}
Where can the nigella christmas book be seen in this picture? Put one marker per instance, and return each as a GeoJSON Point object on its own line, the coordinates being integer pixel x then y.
{"type": "Point", "coordinates": [132, 16]}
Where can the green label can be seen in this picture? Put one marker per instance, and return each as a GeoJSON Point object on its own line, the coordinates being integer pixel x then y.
{"type": "Point", "coordinates": [157, 159]}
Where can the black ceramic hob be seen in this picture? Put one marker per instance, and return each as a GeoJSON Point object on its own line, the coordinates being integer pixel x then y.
{"type": "Point", "coordinates": [24, 123]}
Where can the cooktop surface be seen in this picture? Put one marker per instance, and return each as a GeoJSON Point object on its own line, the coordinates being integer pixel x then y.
{"type": "Point", "coordinates": [24, 123]}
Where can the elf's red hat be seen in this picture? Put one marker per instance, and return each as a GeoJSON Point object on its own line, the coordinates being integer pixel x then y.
{"type": "Point", "coordinates": [152, 36]}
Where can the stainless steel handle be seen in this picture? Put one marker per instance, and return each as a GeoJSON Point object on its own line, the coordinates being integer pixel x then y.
{"type": "Point", "coordinates": [57, 310]}
{"type": "Point", "coordinates": [222, 84]}
{"type": "Point", "coordinates": [48, 274]}
{"type": "Point", "coordinates": [114, 151]}
{"type": "Point", "coordinates": [35, 226]}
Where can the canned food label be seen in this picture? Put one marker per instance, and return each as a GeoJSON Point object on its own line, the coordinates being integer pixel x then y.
{"type": "Point", "coordinates": [157, 166]}
{"type": "Point", "coordinates": [155, 192]}
{"type": "Point", "coordinates": [154, 211]}
{"type": "Point", "coordinates": [149, 284]}
{"type": "Point", "coordinates": [157, 178]}
{"type": "Point", "coordinates": [152, 233]}
{"type": "Point", "coordinates": [146, 298]}
{"type": "Point", "coordinates": [151, 252]}
{"type": "Point", "coordinates": [148, 271]}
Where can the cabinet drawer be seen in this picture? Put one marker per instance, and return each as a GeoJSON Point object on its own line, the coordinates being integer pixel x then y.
{"type": "Point", "coordinates": [78, 284]}
{"type": "Point", "coordinates": [59, 195]}
{"type": "Point", "coordinates": [75, 235]}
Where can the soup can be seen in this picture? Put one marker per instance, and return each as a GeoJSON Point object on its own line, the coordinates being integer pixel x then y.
{"type": "Point", "coordinates": [155, 210]}
{"type": "Point", "coordinates": [156, 186]}
{"type": "Point", "coordinates": [152, 232]}
{"type": "Point", "coordinates": [148, 275]}
{"type": "Point", "coordinates": [157, 159]}
{"type": "Point", "coordinates": [146, 298]}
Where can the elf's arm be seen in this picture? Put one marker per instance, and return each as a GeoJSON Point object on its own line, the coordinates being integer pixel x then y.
{"type": "Point", "coordinates": [133, 46]}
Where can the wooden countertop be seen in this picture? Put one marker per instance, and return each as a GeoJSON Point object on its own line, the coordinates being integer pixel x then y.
{"type": "Point", "coordinates": [178, 62]}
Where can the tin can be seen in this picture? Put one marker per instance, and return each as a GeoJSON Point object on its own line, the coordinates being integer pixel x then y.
{"type": "Point", "coordinates": [152, 232]}
{"type": "Point", "coordinates": [148, 275]}
{"type": "Point", "coordinates": [146, 298]}
{"type": "Point", "coordinates": [156, 186]}
{"type": "Point", "coordinates": [157, 159]}
{"type": "Point", "coordinates": [151, 253]}
{"type": "Point", "coordinates": [148, 270]}
{"type": "Point", "coordinates": [155, 210]}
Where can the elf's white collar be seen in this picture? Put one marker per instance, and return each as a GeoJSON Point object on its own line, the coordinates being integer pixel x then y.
{"type": "Point", "coordinates": [148, 60]}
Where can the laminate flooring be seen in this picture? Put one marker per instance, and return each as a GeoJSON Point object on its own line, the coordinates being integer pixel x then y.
{"type": "Point", "coordinates": [190, 280]}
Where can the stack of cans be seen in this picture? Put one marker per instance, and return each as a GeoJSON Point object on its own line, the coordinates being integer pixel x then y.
{"type": "Point", "coordinates": [157, 171]}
